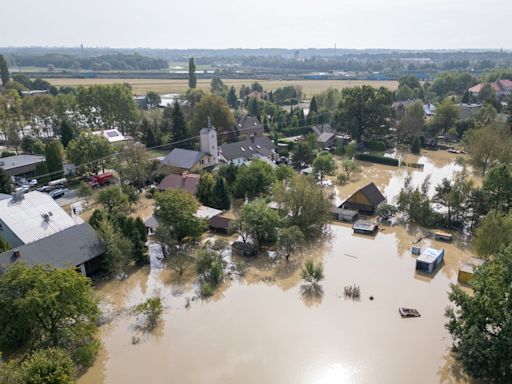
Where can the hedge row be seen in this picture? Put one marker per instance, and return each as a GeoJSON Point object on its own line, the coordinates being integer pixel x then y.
{"type": "Point", "coordinates": [377, 159]}
{"type": "Point", "coordinates": [376, 145]}
{"type": "Point", "coordinates": [288, 132]}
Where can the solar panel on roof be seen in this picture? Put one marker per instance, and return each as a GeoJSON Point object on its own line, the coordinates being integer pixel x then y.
{"type": "Point", "coordinates": [112, 133]}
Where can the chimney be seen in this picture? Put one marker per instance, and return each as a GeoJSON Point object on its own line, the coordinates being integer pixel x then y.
{"type": "Point", "coordinates": [16, 254]}
{"type": "Point", "coordinates": [252, 138]}
{"type": "Point", "coordinates": [17, 196]}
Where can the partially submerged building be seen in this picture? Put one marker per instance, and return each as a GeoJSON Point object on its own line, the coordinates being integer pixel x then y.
{"type": "Point", "coordinates": [429, 260]}
{"type": "Point", "coordinates": [467, 270]}
{"type": "Point", "coordinates": [346, 215]}
{"type": "Point", "coordinates": [75, 247]}
{"type": "Point", "coordinates": [365, 200]}
{"type": "Point", "coordinates": [26, 218]}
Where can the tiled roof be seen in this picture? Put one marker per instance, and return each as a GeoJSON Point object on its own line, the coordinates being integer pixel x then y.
{"type": "Point", "coordinates": [182, 158]}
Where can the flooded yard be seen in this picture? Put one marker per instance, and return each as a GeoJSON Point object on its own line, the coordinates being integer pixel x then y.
{"type": "Point", "coordinates": [265, 327]}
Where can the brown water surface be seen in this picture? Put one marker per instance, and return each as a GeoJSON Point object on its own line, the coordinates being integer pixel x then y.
{"type": "Point", "coordinates": [266, 327]}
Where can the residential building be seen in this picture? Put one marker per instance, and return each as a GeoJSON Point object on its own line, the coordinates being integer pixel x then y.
{"type": "Point", "coordinates": [21, 165]}
{"type": "Point", "coordinates": [181, 160]}
{"type": "Point", "coordinates": [322, 128]}
{"type": "Point", "coordinates": [112, 135]}
{"type": "Point", "coordinates": [26, 218]}
{"type": "Point", "coordinates": [185, 182]}
{"type": "Point", "coordinates": [75, 247]}
{"type": "Point", "coordinates": [244, 151]}
{"type": "Point", "coordinates": [141, 102]}
{"type": "Point", "coordinates": [502, 88]}
{"type": "Point", "coordinates": [326, 140]}
{"type": "Point", "coordinates": [247, 125]}
{"type": "Point", "coordinates": [365, 200]}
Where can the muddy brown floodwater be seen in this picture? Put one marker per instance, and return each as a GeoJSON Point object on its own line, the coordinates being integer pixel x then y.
{"type": "Point", "coordinates": [267, 328]}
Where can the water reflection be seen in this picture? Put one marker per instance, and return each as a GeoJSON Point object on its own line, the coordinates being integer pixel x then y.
{"type": "Point", "coordinates": [336, 373]}
{"type": "Point", "coordinates": [311, 294]}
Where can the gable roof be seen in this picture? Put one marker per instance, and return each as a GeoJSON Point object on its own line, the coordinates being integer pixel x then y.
{"type": "Point", "coordinates": [68, 248]}
{"type": "Point", "coordinates": [248, 122]}
{"type": "Point", "coordinates": [325, 137]}
{"type": "Point", "coordinates": [112, 135]}
{"type": "Point", "coordinates": [372, 194]}
{"type": "Point", "coordinates": [182, 158]}
{"type": "Point", "coordinates": [26, 217]}
{"type": "Point", "coordinates": [259, 145]}
{"type": "Point", "coordinates": [322, 128]}
{"type": "Point", "coordinates": [184, 182]}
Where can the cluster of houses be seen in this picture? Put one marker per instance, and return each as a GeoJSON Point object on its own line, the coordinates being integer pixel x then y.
{"type": "Point", "coordinates": [502, 88]}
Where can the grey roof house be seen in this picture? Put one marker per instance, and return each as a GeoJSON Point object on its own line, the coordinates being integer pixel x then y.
{"type": "Point", "coordinates": [243, 151]}
{"type": "Point", "coordinates": [20, 165]}
{"type": "Point", "coordinates": [75, 247]}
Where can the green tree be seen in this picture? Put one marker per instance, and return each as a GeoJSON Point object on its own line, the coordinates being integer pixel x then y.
{"type": "Point", "coordinates": [497, 188]}
{"type": "Point", "coordinates": [217, 87]}
{"type": "Point", "coordinates": [85, 191]}
{"type": "Point", "coordinates": [232, 98]}
{"type": "Point", "coordinates": [254, 180]}
{"type": "Point", "coordinates": [205, 188]}
{"type": "Point", "coordinates": [220, 194]}
{"type": "Point", "coordinates": [67, 132]}
{"type": "Point", "coordinates": [4, 70]}
{"type": "Point", "coordinates": [90, 152]}
{"type": "Point", "coordinates": [446, 115]}
{"type": "Point", "coordinates": [113, 200]}
{"type": "Point", "coordinates": [481, 321]}
{"type": "Point", "coordinates": [153, 99]}
{"type": "Point", "coordinates": [303, 152]}
{"type": "Point", "coordinates": [289, 240]}
{"type": "Point", "coordinates": [192, 77]}
{"type": "Point", "coordinates": [493, 234]}
{"type": "Point", "coordinates": [283, 172]}
{"type": "Point", "coordinates": [487, 115]}
{"type": "Point", "coordinates": [179, 127]}
{"type": "Point", "coordinates": [416, 145]}
{"type": "Point", "coordinates": [41, 173]}
{"type": "Point", "coordinates": [415, 203]}
{"type": "Point", "coordinates": [134, 165]}
{"type": "Point", "coordinates": [260, 221]}
{"type": "Point", "coordinates": [117, 247]}
{"type": "Point", "coordinates": [312, 273]}
{"type": "Point", "coordinates": [54, 159]}
{"type": "Point", "coordinates": [151, 309]}
{"type": "Point", "coordinates": [215, 108]}
{"type": "Point", "coordinates": [5, 182]}
{"type": "Point", "coordinates": [45, 366]}
{"type": "Point", "coordinates": [411, 122]}
{"type": "Point", "coordinates": [350, 166]}
{"type": "Point", "coordinates": [488, 145]}
{"type": "Point", "coordinates": [47, 307]}
{"type": "Point", "coordinates": [308, 204]}
{"type": "Point", "coordinates": [324, 164]}
{"type": "Point", "coordinates": [176, 210]}
{"type": "Point", "coordinates": [364, 111]}
{"type": "Point", "coordinates": [312, 105]}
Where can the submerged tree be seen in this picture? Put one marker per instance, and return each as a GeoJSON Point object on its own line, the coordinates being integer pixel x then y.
{"type": "Point", "coordinates": [312, 273]}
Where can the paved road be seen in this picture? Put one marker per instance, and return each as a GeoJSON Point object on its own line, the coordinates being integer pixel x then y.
{"type": "Point", "coordinates": [70, 197]}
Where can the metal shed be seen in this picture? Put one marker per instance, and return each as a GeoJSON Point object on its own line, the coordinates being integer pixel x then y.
{"type": "Point", "coordinates": [429, 260]}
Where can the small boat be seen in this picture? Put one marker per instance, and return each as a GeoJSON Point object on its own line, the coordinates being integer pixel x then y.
{"type": "Point", "coordinates": [408, 312]}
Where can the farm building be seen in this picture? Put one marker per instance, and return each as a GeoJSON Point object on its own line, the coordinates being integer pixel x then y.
{"type": "Point", "coordinates": [344, 214]}
{"type": "Point", "coordinates": [429, 260]}
{"type": "Point", "coordinates": [467, 271]}
{"type": "Point", "coordinates": [365, 200]}
{"type": "Point", "coordinates": [365, 227]}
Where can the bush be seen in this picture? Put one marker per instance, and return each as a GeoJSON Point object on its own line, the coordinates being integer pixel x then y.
{"type": "Point", "coordinates": [416, 145]}
{"type": "Point", "coordinates": [312, 273]}
{"type": "Point", "coordinates": [206, 290]}
{"type": "Point", "coordinates": [377, 159]}
{"type": "Point", "coordinates": [152, 309]}
{"type": "Point", "coordinates": [7, 154]}
{"type": "Point", "coordinates": [342, 179]}
{"type": "Point", "coordinates": [378, 146]}
{"type": "Point", "coordinates": [295, 131]}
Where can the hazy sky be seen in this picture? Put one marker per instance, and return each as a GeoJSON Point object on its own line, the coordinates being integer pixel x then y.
{"type": "Point", "coordinates": [258, 23]}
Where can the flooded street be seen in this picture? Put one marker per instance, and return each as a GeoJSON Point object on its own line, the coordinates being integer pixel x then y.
{"type": "Point", "coordinates": [266, 327]}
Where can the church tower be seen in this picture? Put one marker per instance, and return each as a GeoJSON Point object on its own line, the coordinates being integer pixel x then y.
{"type": "Point", "coordinates": [209, 145]}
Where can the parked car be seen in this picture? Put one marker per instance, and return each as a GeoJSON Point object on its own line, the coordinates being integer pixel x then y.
{"type": "Point", "coordinates": [44, 188]}
{"type": "Point", "coordinates": [23, 189]}
{"type": "Point", "coordinates": [56, 193]}
{"type": "Point", "coordinates": [32, 182]}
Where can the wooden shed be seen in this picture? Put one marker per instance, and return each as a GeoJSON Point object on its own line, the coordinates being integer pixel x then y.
{"type": "Point", "coordinates": [467, 271]}
{"type": "Point", "coordinates": [346, 215]}
{"type": "Point", "coordinates": [365, 227]}
{"type": "Point", "coordinates": [365, 200]}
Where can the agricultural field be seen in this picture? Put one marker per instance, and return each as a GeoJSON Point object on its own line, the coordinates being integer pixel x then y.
{"type": "Point", "coordinates": [163, 86]}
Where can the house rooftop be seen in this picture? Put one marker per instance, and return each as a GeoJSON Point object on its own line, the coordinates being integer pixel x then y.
{"type": "Point", "coordinates": [430, 255]}
{"type": "Point", "coordinates": [259, 146]}
{"type": "Point", "coordinates": [112, 135]}
{"type": "Point", "coordinates": [325, 137]}
{"type": "Point", "coordinates": [18, 161]}
{"type": "Point", "coordinates": [182, 158]}
{"type": "Point", "coordinates": [35, 215]}
{"type": "Point", "coordinates": [66, 249]}
{"type": "Point", "coordinates": [185, 182]}
{"type": "Point", "coordinates": [372, 194]}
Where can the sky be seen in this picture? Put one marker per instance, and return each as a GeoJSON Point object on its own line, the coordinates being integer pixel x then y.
{"type": "Point", "coordinates": [400, 24]}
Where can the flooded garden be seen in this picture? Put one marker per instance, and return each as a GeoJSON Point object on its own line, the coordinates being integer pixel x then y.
{"type": "Point", "coordinates": [265, 326]}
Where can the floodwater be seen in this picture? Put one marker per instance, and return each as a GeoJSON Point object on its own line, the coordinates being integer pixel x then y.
{"type": "Point", "coordinates": [266, 327]}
